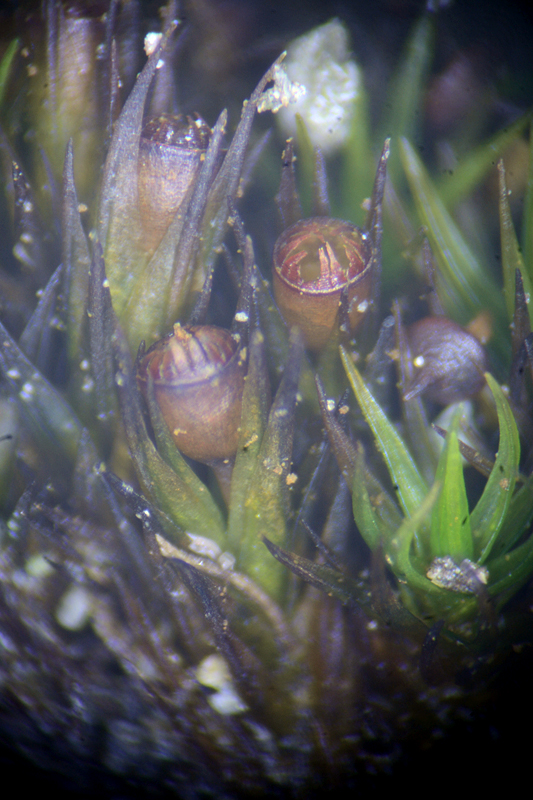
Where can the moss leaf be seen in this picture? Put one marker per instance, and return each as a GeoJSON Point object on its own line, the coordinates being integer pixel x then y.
{"type": "Point", "coordinates": [365, 518]}
{"type": "Point", "coordinates": [451, 533]}
{"type": "Point", "coordinates": [266, 506]}
{"type": "Point", "coordinates": [490, 511]}
{"type": "Point", "coordinates": [5, 66]}
{"type": "Point", "coordinates": [480, 161]}
{"type": "Point", "coordinates": [467, 286]}
{"type": "Point", "coordinates": [403, 471]}
{"type": "Point", "coordinates": [517, 519]}
{"type": "Point", "coordinates": [253, 422]}
{"type": "Point", "coordinates": [398, 553]}
{"type": "Point", "coordinates": [119, 228]}
{"type": "Point", "coordinates": [408, 88]}
{"type": "Point", "coordinates": [76, 259]}
{"type": "Point", "coordinates": [51, 420]}
{"type": "Point", "coordinates": [511, 253]}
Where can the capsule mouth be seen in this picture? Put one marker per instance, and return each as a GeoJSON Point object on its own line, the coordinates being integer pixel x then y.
{"type": "Point", "coordinates": [321, 255]}
{"type": "Point", "coordinates": [179, 131]}
{"type": "Point", "coordinates": [190, 356]}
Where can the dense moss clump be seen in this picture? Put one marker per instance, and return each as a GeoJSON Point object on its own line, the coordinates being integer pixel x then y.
{"type": "Point", "coordinates": [265, 520]}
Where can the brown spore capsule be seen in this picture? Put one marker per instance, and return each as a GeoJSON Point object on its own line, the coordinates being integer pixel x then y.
{"type": "Point", "coordinates": [315, 260]}
{"type": "Point", "coordinates": [449, 362]}
{"type": "Point", "coordinates": [198, 375]}
{"type": "Point", "coordinates": [171, 150]}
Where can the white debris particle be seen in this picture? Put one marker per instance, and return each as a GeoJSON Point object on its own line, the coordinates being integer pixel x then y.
{"type": "Point", "coordinates": [241, 316]}
{"type": "Point", "coordinates": [214, 673]}
{"type": "Point", "coordinates": [467, 577]}
{"type": "Point", "coordinates": [84, 365]}
{"type": "Point", "coordinates": [87, 385]}
{"type": "Point", "coordinates": [13, 373]}
{"type": "Point", "coordinates": [419, 361]}
{"type": "Point", "coordinates": [27, 392]}
{"type": "Point", "coordinates": [362, 307]}
{"type": "Point", "coordinates": [227, 561]}
{"type": "Point", "coordinates": [38, 567]}
{"type": "Point", "coordinates": [204, 546]}
{"type": "Point", "coordinates": [74, 608]}
{"type": "Point", "coordinates": [57, 324]}
{"type": "Point", "coordinates": [27, 206]}
{"type": "Point", "coordinates": [282, 93]}
{"type": "Point", "coordinates": [227, 701]}
{"type": "Point", "coordinates": [331, 404]}
{"type": "Point", "coordinates": [151, 41]}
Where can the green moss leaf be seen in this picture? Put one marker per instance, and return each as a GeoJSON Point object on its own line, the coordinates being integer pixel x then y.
{"type": "Point", "coordinates": [358, 162]}
{"type": "Point", "coordinates": [465, 285]}
{"type": "Point", "coordinates": [403, 471]}
{"type": "Point", "coordinates": [76, 260]}
{"type": "Point", "coordinates": [408, 89]}
{"type": "Point", "coordinates": [475, 167]}
{"type": "Point", "coordinates": [510, 571]}
{"type": "Point", "coordinates": [184, 498]}
{"type": "Point", "coordinates": [306, 165]}
{"type": "Point", "coordinates": [511, 252]}
{"type": "Point", "coordinates": [398, 553]}
{"type": "Point", "coordinates": [527, 220]}
{"type": "Point", "coordinates": [517, 519]}
{"type": "Point", "coordinates": [375, 514]}
{"type": "Point", "coordinates": [266, 505]}
{"type": "Point", "coordinates": [5, 66]}
{"type": "Point", "coordinates": [451, 533]}
{"type": "Point", "coordinates": [490, 511]}
{"type": "Point", "coordinates": [253, 422]}
{"type": "Point", "coordinates": [53, 423]}
{"type": "Point", "coordinates": [365, 518]}
{"type": "Point", "coordinates": [353, 593]}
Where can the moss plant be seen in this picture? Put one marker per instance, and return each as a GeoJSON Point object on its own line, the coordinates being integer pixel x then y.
{"type": "Point", "coordinates": [333, 584]}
